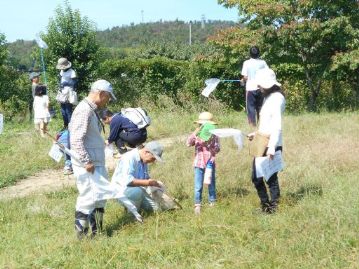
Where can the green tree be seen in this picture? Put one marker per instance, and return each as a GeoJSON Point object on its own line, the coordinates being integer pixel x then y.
{"type": "Point", "coordinates": [301, 37]}
{"type": "Point", "coordinates": [3, 49]}
{"type": "Point", "coordinates": [74, 37]}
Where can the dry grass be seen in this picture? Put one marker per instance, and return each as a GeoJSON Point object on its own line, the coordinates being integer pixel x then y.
{"type": "Point", "coordinates": [316, 226]}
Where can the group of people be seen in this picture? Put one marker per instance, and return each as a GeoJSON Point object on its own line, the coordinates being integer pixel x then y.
{"type": "Point", "coordinates": [131, 184]}
{"type": "Point", "coordinates": [127, 129]}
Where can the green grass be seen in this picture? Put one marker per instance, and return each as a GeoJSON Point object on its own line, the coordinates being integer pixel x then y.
{"type": "Point", "coordinates": [316, 226]}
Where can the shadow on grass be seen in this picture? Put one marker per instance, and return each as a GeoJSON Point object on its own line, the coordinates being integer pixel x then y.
{"type": "Point", "coordinates": [293, 198]}
{"type": "Point", "coordinates": [124, 220]}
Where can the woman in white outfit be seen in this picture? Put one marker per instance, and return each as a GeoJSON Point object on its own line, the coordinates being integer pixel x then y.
{"type": "Point", "coordinates": [270, 125]}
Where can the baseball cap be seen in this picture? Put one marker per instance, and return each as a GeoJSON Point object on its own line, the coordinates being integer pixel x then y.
{"type": "Point", "coordinates": [103, 85]}
{"type": "Point", "coordinates": [156, 149]}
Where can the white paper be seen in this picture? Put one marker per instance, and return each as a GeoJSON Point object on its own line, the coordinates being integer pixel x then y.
{"type": "Point", "coordinates": [227, 132]}
{"type": "Point", "coordinates": [1, 123]}
{"type": "Point", "coordinates": [211, 86]}
{"type": "Point", "coordinates": [266, 167]}
{"type": "Point", "coordinates": [55, 153]}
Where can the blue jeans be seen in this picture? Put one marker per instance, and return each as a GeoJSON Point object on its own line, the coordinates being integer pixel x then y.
{"type": "Point", "coordinates": [198, 185]}
{"type": "Point", "coordinates": [66, 111]}
{"type": "Point", "coordinates": [140, 199]}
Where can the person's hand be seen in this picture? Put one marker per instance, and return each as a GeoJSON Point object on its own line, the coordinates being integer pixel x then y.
{"type": "Point", "coordinates": [153, 183]}
{"type": "Point", "coordinates": [270, 156]}
{"type": "Point", "coordinates": [90, 167]}
{"type": "Point", "coordinates": [197, 130]}
{"type": "Point", "coordinates": [106, 142]}
{"type": "Point", "coordinates": [250, 136]}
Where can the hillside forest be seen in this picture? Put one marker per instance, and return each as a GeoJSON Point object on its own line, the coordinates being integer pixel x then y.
{"type": "Point", "coordinates": [313, 46]}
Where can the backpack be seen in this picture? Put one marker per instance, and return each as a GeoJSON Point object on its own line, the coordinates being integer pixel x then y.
{"type": "Point", "coordinates": [137, 115]}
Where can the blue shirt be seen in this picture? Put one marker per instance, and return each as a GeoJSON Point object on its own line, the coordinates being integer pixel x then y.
{"type": "Point", "coordinates": [129, 168]}
{"type": "Point", "coordinates": [118, 124]}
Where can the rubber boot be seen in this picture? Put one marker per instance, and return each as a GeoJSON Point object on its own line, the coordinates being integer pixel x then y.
{"type": "Point", "coordinates": [81, 224]}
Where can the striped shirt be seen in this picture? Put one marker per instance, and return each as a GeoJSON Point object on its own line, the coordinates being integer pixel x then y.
{"type": "Point", "coordinates": [204, 151]}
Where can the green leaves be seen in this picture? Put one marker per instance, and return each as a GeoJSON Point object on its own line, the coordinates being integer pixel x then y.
{"type": "Point", "coordinates": [72, 36]}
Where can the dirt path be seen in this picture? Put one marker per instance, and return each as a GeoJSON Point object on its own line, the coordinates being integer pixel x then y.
{"type": "Point", "coordinates": [52, 180]}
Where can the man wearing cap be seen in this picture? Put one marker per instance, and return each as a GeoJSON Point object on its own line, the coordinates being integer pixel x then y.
{"type": "Point", "coordinates": [35, 80]}
{"type": "Point", "coordinates": [133, 179]}
{"type": "Point", "coordinates": [89, 168]}
{"type": "Point", "coordinates": [68, 83]}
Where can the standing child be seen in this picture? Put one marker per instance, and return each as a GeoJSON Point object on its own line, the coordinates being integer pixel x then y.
{"type": "Point", "coordinates": [63, 137]}
{"type": "Point", "coordinates": [206, 147]}
{"type": "Point", "coordinates": [41, 109]}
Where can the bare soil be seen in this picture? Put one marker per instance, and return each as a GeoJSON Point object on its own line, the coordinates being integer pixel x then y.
{"type": "Point", "coordinates": [53, 179]}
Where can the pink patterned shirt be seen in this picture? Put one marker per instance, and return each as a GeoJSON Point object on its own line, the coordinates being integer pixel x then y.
{"type": "Point", "coordinates": [204, 151]}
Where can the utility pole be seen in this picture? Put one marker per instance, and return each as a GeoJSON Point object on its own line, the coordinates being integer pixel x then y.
{"type": "Point", "coordinates": [190, 33]}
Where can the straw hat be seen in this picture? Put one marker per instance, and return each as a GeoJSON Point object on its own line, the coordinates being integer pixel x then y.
{"type": "Point", "coordinates": [63, 64]}
{"type": "Point", "coordinates": [205, 117]}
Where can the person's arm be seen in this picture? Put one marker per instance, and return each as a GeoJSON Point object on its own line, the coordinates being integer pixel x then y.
{"type": "Point", "coordinates": [191, 140]}
{"type": "Point", "coordinates": [276, 126]}
{"type": "Point", "coordinates": [115, 129]}
{"type": "Point", "coordinates": [244, 71]}
{"type": "Point", "coordinates": [144, 183]}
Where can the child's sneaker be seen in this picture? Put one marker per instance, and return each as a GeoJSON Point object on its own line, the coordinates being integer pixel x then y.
{"type": "Point", "coordinates": [197, 209]}
{"type": "Point", "coordinates": [68, 171]}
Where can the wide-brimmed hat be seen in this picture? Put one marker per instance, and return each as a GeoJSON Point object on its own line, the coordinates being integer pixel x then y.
{"type": "Point", "coordinates": [63, 64]}
{"type": "Point", "coordinates": [205, 117]}
{"type": "Point", "coordinates": [266, 78]}
{"type": "Point", "coordinates": [34, 75]}
{"type": "Point", "coordinates": [156, 149]}
{"type": "Point", "coordinates": [105, 86]}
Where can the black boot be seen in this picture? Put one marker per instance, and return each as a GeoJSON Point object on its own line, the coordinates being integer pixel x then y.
{"type": "Point", "coordinates": [96, 221]}
{"type": "Point", "coordinates": [81, 224]}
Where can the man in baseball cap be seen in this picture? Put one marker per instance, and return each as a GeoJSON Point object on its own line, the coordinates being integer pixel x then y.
{"type": "Point", "coordinates": [132, 178]}
{"type": "Point", "coordinates": [104, 86]}
{"type": "Point", "coordinates": [88, 144]}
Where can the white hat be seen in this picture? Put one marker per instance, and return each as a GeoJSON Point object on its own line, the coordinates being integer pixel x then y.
{"type": "Point", "coordinates": [63, 64]}
{"type": "Point", "coordinates": [266, 78]}
{"type": "Point", "coordinates": [103, 85]}
{"type": "Point", "coordinates": [205, 117]}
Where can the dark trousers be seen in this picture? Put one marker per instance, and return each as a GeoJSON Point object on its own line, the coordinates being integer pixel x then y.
{"type": "Point", "coordinates": [66, 111]}
{"type": "Point", "coordinates": [133, 139]}
{"type": "Point", "coordinates": [261, 187]}
{"type": "Point", "coordinates": [254, 101]}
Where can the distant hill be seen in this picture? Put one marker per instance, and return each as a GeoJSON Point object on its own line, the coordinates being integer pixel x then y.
{"type": "Point", "coordinates": [130, 36]}
{"type": "Point", "coordinates": [162, 31]}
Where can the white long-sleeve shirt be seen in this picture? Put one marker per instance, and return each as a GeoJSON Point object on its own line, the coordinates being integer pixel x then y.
{"type": "Point", "coordinates": [271, 120]}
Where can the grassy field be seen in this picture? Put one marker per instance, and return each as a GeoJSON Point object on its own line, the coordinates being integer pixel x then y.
{"type": "Point", "coordinates": [317, 224]}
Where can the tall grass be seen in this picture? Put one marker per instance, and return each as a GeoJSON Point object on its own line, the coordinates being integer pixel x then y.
{"type": "Point", "coordinates": [316, 225]}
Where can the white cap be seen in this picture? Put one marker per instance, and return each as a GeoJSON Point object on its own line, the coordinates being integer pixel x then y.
{"type": "Point", "coordinates": [266, 78]}
{"type": "Point", "coordinates": [103, 85]}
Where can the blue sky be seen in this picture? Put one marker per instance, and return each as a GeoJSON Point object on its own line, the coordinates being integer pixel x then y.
{"type": "Point", "coordinates": [23, 19]}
